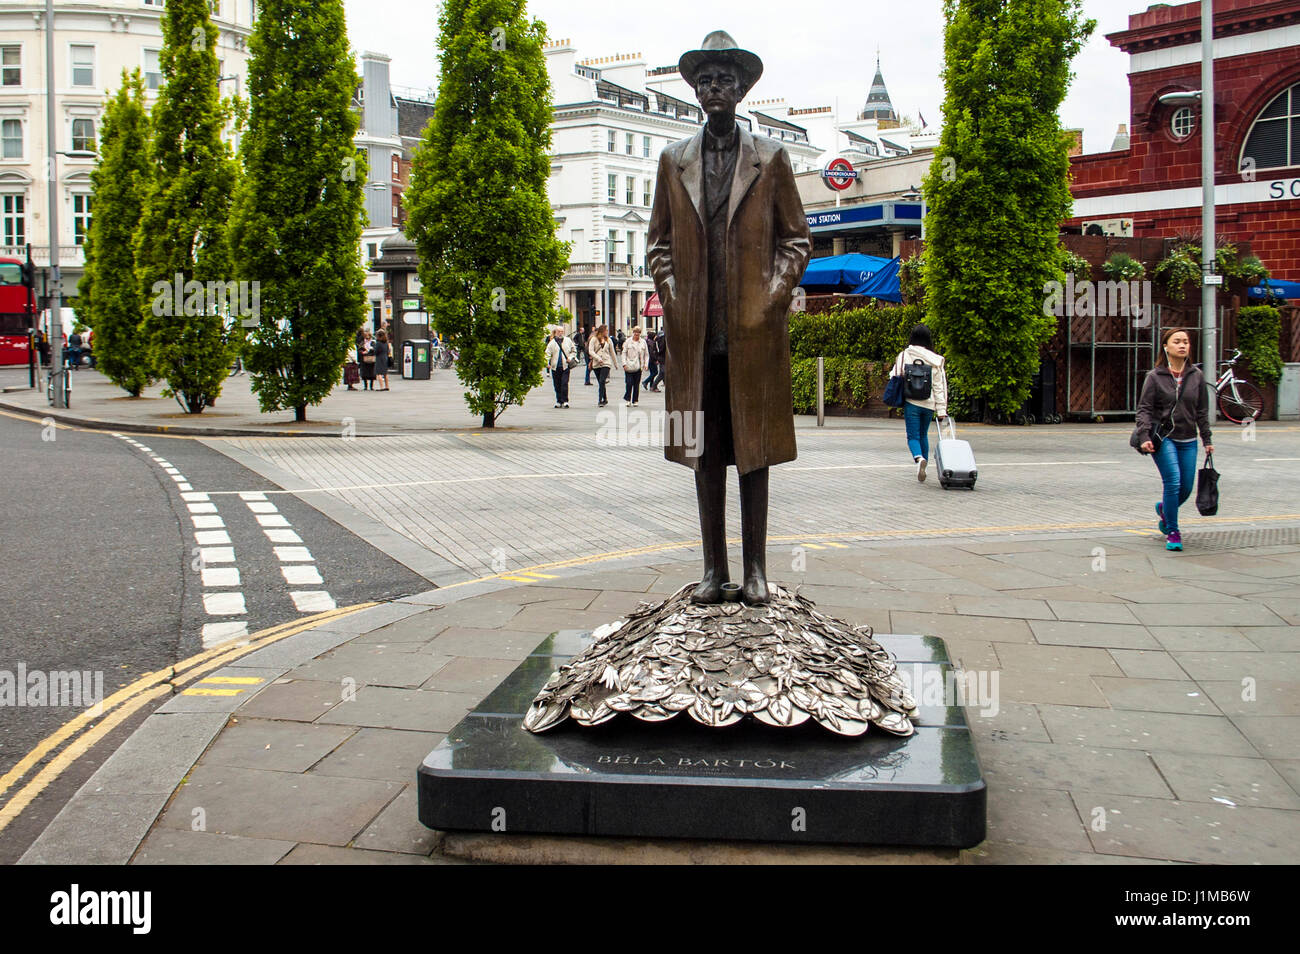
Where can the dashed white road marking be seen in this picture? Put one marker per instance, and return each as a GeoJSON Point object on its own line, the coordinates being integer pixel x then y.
{"type": "Point", "coordinates": [217, 555]}
{"type": "Point", "coordinates": [224, 604]}
{"type": "Point", "coordinates": [301, 575]}
{"type": "Point", "coordinates": [277, 535]}
{"type": "Point", "coordinates": [214, 634]}
{"type": "Point", "coordinates": [207, 521]}
{"type": "Point", "coordinates": [252, 495]}
{"type": "Point", "coordinates": [293, 554]}
{"type": "Point", "coordinates": [202, 507]}
{"type": "Point", "coordinates": [220, 576]}
{"type": "Point", "coordinates": [272, 520]}
{"type": "Point", "coordinates": [262, 506]}
{"type": "Point", "coordinates": [205, 538]}
{"type": "Point", "coordinates": [312, 601]}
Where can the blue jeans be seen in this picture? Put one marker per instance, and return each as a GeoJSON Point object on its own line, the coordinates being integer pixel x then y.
{"type": "Point", "coordinates": [1176, 461]}
{"type": "Point", "coordinates": [918, 421]}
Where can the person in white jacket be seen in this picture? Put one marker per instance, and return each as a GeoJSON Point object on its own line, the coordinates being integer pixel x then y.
{"type": "Point", "coordinates": [918, 412]}
{"type": "Point", "coordinates": [560, 357]}
{"type": "Point", "coordinates": [636, 358]}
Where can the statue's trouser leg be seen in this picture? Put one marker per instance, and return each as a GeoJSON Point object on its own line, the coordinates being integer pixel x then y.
{"type": "Point", "coordinates": [711, 495]}
{"type": "Point", "coordinates": [753, 526]}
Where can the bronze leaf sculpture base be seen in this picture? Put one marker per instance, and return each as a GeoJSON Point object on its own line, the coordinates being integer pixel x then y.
{"type": "Point", "coordinates": [782, 663]}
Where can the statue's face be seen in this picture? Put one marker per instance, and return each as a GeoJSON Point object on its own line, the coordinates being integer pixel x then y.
{"type": "Point", "coordinates": [719, 86]}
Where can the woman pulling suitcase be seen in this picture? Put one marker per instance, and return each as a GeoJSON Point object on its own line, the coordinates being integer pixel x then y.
{"type": "Point", "coordinates": [1173, 407]}
{"type": "Point", "coordinates": [925, 388]}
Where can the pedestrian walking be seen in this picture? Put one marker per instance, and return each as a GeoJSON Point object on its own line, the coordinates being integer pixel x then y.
{"type": "Point", "coordinates": [1172, 409]}
{"type": "Point", "coordinates": [652, 365]}
{"type": "Point", "coordinates": [366, 356]}
{"type": "Point", "coordinates": [561, 356]}
{"type": "Point", "coordinates": [635, 358]}
{"type": "Point", "coordinates": [619, 340]}
{"type": "Point", "coordinates": [585, 348]}
{"type": "Point", "coordinates": [925, 387]}
{"type": "Point", "coordinates": [600, 351]}
{"type": "Point", "coordinates": [381, 359]}
{"type": "Point", "coordinates": [661, 345]}
{"type": "Point", "coordinates": [72, 357]}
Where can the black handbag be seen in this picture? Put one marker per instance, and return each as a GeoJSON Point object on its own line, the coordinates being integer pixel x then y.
{"type": "Point", "coordinates": [1207, 488]}
{"type": "Point", "coordinates": [894, 391]}
{"type": "Point", "coordinates": [1158, 433]}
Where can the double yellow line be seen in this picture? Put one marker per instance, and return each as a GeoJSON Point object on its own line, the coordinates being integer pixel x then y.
{"type": "Point", "coordinates": [92, 725]}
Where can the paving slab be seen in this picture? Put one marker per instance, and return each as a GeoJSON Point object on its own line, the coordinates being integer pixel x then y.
{"type": "Point", "coordinates": [1156, 695]}
{"type": "Point", "coordinates": [420, 710]}
{"type": "Point", "coordinates": [961, 627]}
{"type": "Point", "coordinates": [1013, 722]}
{"type": "Point", "coordinates": [1034, 816]}
{"type": "Point", "coordinates": [1278, 639]}
{"type": "Point", "coordinates": [1209, 614]}
{"type": "Point", "coordinates": [476, 675]}
{"type": "Point", "coordinates": [388, 754]}
{"type": "Point", "coordinates": [1183, 639]}
{"type": "Point", "coordinates": [1058, 659]}
{"type": "Point", "coordinates": [277, 805]}
{"type": "Point", "coordinates": [1002, 606]}
{"type": "Point", "coordinates": [1145, 731]}
{"type": "Point", "coordinates": [1107, 635]}
{"type": "Point", "coordinates": [95, 830]}
{"type": "Point", "coordinates": [1147, 664]}
{"type": "Point", "coordinates": [1086, 611]}
{"type": "Point", "coordinates": [1258, 697]}
{"type": "Point", "coordinates": [1195, 832]}
{"type": "Point", "coordinates": [1276, 737]}
{"type": "Point", "coordinates": [274, 746]}
{"type": "Point", "coordinates": [297, 700]}
{"type": "Point", "coordinates": [1237, 666]}
{"type": "Point", "coordinates": [162, 750]}
{"type": "Point", "coordinates": [372, 665]}
{"type": "Point", "coordinates": [1021, 684]}
{"type": "Point", "coordinates": [331, 855]}
{"type": "Point", "coordinates": [1249, 783]}
{"type": "Point", "coordinates": [1067, 766]}
{"type": "Point", "coordinates": [171, 846]}
{"type": "Point", "coordinates": [488, 643]}
{"type": "Point", "coordinates": [398, 828]}
{"type": "Point", "coordinates": [1005, 853]}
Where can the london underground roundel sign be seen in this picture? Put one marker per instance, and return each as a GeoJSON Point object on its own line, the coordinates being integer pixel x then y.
{"type": "Point", "coordinates": [839, 174]}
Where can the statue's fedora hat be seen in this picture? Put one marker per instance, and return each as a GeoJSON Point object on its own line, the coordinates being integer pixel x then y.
{"type": "Point", "coordinates": [719, 45]}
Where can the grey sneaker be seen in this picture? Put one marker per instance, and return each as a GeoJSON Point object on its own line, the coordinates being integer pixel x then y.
{"type": "Point", "coordinates": [920, 469]}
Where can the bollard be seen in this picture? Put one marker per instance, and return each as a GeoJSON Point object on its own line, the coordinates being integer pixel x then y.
{"type": "Point", "coordinates": [821, 392]}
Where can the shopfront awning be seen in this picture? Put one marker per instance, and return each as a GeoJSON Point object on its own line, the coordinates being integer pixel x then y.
{"type": "Point", "coordinates": [1276, 289]}
{"type": "Point", "coordinates": [849, 270]}
{"type": "Point", "coordinates": [883, 285]}
{"type": "Point", "coordinates": [652, 307]}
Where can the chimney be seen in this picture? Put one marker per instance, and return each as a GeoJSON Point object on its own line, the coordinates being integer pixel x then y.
{"type": "Point", "coordinates": [1121, 139]}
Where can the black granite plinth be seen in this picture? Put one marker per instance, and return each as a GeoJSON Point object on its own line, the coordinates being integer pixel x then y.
{"type": "Point", "coordinates": [679, 779]}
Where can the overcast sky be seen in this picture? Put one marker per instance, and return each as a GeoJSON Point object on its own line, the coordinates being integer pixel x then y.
{"type": "Point", "coordinates": [811, 55]}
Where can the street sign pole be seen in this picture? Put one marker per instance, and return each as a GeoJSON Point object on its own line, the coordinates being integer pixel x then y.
{"type": "Point", "coordinates": [1209, 332]}
{"type": "Point", "coordinates": [55, 299]}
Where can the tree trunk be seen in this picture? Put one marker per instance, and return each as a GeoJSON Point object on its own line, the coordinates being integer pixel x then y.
{"type": "Point", "coordinates": [489, 419]}
{"type": "Point", "coordinates": [300, 412]}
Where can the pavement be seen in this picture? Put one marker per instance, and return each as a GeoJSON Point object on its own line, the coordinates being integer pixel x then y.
{"type": "Point", "coordinates": [1146, 709]}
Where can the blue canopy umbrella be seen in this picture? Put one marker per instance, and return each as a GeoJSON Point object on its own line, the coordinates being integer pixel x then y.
{"type": "Point", "coordinates": [1276, 289]}
{"type": "Point", "coordinates": [883, 285]}
{"type": "Point", "coordinates": [848, 270]}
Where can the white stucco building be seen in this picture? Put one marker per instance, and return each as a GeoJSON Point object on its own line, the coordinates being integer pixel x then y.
{"type": "Point", "coordinates": [93, 44]}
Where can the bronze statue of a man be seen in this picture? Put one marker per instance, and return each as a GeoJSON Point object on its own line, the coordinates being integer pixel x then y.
{"type": "Point", "coordinates": [728, 243]}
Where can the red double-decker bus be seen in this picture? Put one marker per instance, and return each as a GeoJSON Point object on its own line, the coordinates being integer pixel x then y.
{"type": "Point", "coordinates": [15, 313]}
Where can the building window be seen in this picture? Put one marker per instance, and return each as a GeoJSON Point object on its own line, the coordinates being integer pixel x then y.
{"type": "Point", "coordinates": [11, 136]}
{"type": "Point", "coordinates": [252, 11]}
{"type": "Point", "coordinates": [83, 135]}
{"type": "Point", "coordinates": [372, 250]}
{"type": "Point", "coordinates": [611, 246]}
{"type": "Point", "coordinates": [628, 146]}
{"type": "Point", "coordinates": [11, 65]}
{"type": "Point", "coordinates": [14, 217]}
{"type": "Point", "coordinates": [1274, 139]}
{"type": "Point", "coordinates": [214, 6]}
{"type": "Point", "coordinates": [1182, 122]}
{"type": "Point", "coordinates": [645, 192]}
{"type": "Point", "coordinates": [645, 146]}
{"type": "Point", "coordinates": [83, 65]}
{"type": "Point", "coordinates": [153, 3]}
{"type": "Point", "coordinates": [153, 78]}
{"type": "Point", "coordinates": [613, 188]}
{"type": "Point", "coordinates": [631, 247]}
{"type": "Point", "coordinates": [630, 191]}
{"type": "Point", "coordinates": [612, 139]}
{"type": "Point", "coordinates": [80, 218]}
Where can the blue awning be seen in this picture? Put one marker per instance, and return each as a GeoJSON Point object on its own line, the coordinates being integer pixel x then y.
{"type": "Point", "coordinates": [838, 270]}
{"type": "Point", "coordinates": [883, 285]}
{"type": "Point", "coordinates": [1276, 289]}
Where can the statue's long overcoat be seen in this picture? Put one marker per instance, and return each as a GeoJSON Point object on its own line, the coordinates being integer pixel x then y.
{"type": "Point", "coordinates": [767, 251]}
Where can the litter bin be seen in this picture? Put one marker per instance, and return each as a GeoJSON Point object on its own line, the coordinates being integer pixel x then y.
{"type": "Point", "coordinates": [415, 359]}
{"type": "Point", "coordinates": [1288, 393]}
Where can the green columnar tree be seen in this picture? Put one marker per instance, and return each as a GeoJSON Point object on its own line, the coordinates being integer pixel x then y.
{"type": "Point", "coordinates": [998, 189]}
{"type": "Point", "coordinates": [297, 220]}
{"type": "Point", "coordinates": [489, 258]}
{"type": "Point", "coordinates": [180, 246]}
{"type": "Point", "coordinates": [109, 291]}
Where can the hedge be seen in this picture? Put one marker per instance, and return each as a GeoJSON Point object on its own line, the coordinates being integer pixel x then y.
{"type": "Point", "coordinates": [1259, 334]}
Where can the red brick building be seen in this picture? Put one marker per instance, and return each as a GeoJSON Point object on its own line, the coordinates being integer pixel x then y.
{"type": "Point", "coordinates": [1155, 182]}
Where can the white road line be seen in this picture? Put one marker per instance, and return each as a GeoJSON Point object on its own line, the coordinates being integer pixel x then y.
{"type": "Point", "coordinates": [278, 535]}
{"type": "Point", "coordinates": [272, 520]}
{"type": "Point", "coordinates": [224, 604]}
{"type": "Point", "coordinates": [183, 486]}
{"type": "Point", "coordinates": [250, 494]}
{"type": "Point", "coordinates": [262, 506]}
{"type": "Point", "coordinates": [220, 576]}
{"type": "Point", "coordinates": [179, 478]}
{"type": "Point", "coordinates": [293, 554]}
{"type": "Point", "coordinates": [217, 554]}
{"type": "Point", "coordinates": [207, 521]}
{"type": "Point", "coordinates": [202, 507]}
{"type": "Point", "coordinates": [300, 575]}
{"type": "Point", "coordinates": [245, 495]}
{"type": "Point", "coordinates": [215, 634]}
{"type": "Point", "coordinates": [312, 601]}
{"type": "Point", "coordinates": [206, 538]}
{"type": "Point", "coordinates": [195, 497]}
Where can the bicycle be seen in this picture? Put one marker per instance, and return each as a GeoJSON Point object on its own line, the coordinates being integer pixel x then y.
{"type": "Point", "coordinates": [443, 356]}
{"type": "Point", "coordinates": [1239, 400]}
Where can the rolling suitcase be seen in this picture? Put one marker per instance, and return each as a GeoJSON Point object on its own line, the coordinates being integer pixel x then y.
{"type": "Point", "coordinates": [954, 459]}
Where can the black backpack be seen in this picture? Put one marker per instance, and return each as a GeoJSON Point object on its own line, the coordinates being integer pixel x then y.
{"type": "Point", "coordinates": [916, 380]}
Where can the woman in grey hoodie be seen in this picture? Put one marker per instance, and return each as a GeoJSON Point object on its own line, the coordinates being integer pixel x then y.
{"type": "Point", "coordinates": [1173, 407]}
{"type": "Point", "coordinates": [918, 412]}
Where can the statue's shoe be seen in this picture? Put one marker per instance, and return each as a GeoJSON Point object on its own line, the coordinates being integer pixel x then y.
{"type": "Point", "coordinates": [755, 592]}
{"type": "Point", "coordinates": [708, 592]}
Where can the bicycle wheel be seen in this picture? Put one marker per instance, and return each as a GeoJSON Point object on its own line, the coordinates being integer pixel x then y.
{"type": "Point", "coordinates": [1240, 402]}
